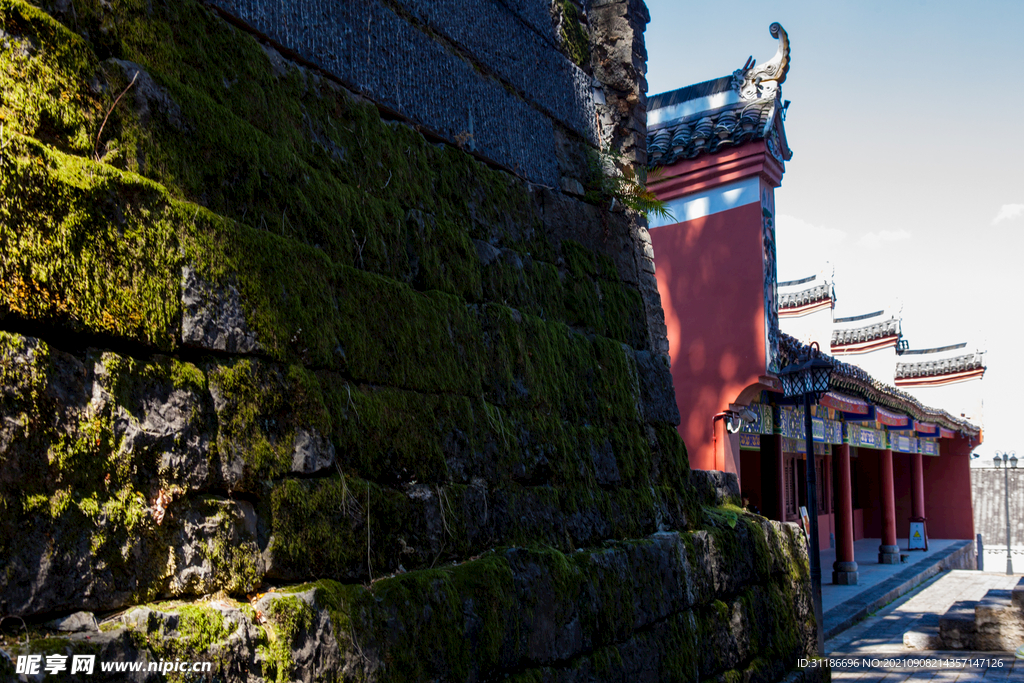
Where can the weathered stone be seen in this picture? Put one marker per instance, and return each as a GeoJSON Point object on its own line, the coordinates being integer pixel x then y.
{"type": "Point", "coordinates": [312, 644]}
{"type": "Point", "coordinates": [212, 316]}
{"type": "Point", "coordinates": [714, 487]}
{"type": "Point", "coordinates": [311, 453]}
{"type": "Point", "coordinates": [214, 547]}
{"type": "Point", "coordinates": [957, 626]}
{"type": "Point", "coordinates": [486, 252]}
{"type": "Point", "coordinates": [922, 638]}
{"type": "Point", "coordinates": [79, 621]}
{"type": "Point", "coordinates": [403, 412]}
{"type": "Point", "coordinates": [656, 387]}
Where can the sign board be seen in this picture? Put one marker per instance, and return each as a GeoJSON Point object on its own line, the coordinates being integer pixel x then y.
{"type": "Point", "coordinates": [918, 540]}
{"type": "Point", "coordinates": [805, 520]}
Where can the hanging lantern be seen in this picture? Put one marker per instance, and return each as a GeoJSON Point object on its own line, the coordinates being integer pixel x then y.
{"type": "Point", "coordinates": [808, 377]}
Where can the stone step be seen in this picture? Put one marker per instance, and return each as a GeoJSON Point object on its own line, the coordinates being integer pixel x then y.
{"type": "Point", "coordinates": [924, 635]}
{"type": "Point", "coordinates": [1018, 594]}
{"type": "Point", "coordinates": [992, 608]}
{"type": "Point", "coordinates": [999, 621]}
{"type": "Point", "coordinates": [957, 626]}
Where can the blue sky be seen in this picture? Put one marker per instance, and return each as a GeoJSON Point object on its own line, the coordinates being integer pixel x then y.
{"type": "Point", "coordinates": [907, 127]}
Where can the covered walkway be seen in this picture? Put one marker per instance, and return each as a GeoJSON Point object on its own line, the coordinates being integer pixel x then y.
{"type": "Point", "coordinates": [880, 584]}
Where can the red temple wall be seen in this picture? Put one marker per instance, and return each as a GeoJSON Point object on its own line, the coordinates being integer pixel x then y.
{"type": "Point", "coordinates": [947, 491]}
{"type": "Point", "coordinates": [710, 276]}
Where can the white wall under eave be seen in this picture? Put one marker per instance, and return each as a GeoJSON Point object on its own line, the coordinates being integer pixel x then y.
{"type": "Point", "coordinates": [880, 364]}
{"type": "Point", "coordinates": [813, 327]}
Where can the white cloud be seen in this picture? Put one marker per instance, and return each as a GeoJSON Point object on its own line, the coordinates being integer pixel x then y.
{"type": "Point", "coordinates": [873, 240]}
{"type": "Point", "coordinates": [796, 229]}
{"type": "Point", "coordinates": [1008, 212]}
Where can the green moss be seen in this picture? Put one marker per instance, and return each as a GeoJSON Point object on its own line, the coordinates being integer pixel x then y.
{"type": "Point", "coordinates": [42, 65]}
{"type": "Point", "coordinates": [199, 628]}
{"type": "Point", "coordinates": [253, 403]}
{"type": "Point", "coordinates": [84, 247]}
{"type": "Point", "coordinates": [575, 40]}
{"type": "Point", "coordinates": [288, 616]}
{"type": "Point", "coordinates": [234, 562]}
{"type": "Point", "coordinates": [394, 436]}
{"type": "Point", "coordinates": [673, 464]}
{"type": "Point", "coordinates": [195, 631]}
{"type": "Point", "coordinates": [623, 313]}
{"type": "Point", "coordinates": [339, 600]}
{"type": "Point", "coordinates": [467, 609]}
{"type": "Point", "coordinates": [319, 527]}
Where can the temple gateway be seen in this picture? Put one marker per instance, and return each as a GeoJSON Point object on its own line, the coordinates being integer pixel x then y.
{"type": "Point", "coordinates": [882, 456]}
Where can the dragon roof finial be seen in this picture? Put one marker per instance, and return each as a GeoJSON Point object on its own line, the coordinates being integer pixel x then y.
{"type": "Point", "coordinates": [764, 79]}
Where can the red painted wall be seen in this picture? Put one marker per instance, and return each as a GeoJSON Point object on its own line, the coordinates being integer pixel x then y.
{"type": "Point", "coordinates": [826, 527]}
{"type": "Point", "coordinates": [710, 278]}
{"type": "Point", "coordinates": [947, 491]}
{"type": "Point", "coordinates": [902, 485]}
{"type": "Point", "coordinates": [868, 496]}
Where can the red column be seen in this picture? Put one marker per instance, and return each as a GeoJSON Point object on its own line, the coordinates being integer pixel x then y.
{"type": "Point", "coordinates": [917, 485]}
{"type": "Point", "coordinates": [844, 570]}
{"type": "Point", "coordinates": [888, 552]}
{"type": "Point", "coordinates": [780, 477]}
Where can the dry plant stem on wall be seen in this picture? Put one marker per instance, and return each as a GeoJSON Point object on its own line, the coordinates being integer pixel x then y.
{"type": "Point", "coordinates": [96, 147]}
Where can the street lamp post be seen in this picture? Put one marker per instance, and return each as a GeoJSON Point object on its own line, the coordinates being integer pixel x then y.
{"type": "Point", "coordinates": [809, 377]}
{"type": "Point", "coordinates": [1001, 461]}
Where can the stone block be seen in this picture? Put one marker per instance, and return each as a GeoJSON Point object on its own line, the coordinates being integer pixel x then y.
{"type": "Point", "coordinates": [922, 638]}
{"type": "Point", "coordinates": [844, 578]}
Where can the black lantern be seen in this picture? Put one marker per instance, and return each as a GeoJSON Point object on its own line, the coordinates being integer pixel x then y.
{"type": "Point", "coordinates": [809, 377]}
{"type": "Point", "coordinates": [806, 377]}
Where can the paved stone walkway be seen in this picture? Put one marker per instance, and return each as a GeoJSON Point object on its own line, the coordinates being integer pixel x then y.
{"type": "Point", "coordinates": [876, 644]}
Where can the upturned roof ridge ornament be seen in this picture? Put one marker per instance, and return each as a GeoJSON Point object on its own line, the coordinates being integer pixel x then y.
{"type": "Point", "coordinates": [763, 81]}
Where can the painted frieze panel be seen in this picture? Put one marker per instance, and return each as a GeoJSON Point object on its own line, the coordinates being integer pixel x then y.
{"type": "Point", "coordinates": [856, 435]}
{"type": "Point", "coordinates": [763, 423]}
{"type": "Point", "coordinates": [791, 426]}
{"type": "Point", "coordinates": [903, 443]}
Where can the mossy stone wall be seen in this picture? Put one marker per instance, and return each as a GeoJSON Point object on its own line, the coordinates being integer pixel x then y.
{"type": "Point", "coordinates": [253, 334]}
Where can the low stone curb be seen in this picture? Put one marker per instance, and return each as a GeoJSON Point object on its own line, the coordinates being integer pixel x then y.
{"type": "Point", "coordinates": [845, 615]}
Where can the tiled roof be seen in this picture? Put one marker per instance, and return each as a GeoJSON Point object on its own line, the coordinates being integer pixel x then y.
{"type": "Point", "coordinates": [804, 297]}
{"type": "Point", "coordinates": [857, 335]}
{"type": "Point", "coordinates": [726, 111]}
{"type": "Point", "coordinates": [936, 368]}
{"type": "Point", "coordinates": [709, 132]}
{"type": "Point", "coordinates": [852, 379]}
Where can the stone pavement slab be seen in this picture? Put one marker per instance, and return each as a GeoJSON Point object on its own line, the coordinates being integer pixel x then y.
{"type": "Point", "coordinates": [873, 650]}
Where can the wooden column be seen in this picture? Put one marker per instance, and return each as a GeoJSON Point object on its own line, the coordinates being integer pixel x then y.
{"type": "Point", "coordinates": [917, 485]}
{"type": "Point", "coordinates": [888, 551]}
{"type": "Point", "coordinates": [844, 569]}
{"type": "Point", "coordinates": [773, 483]}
